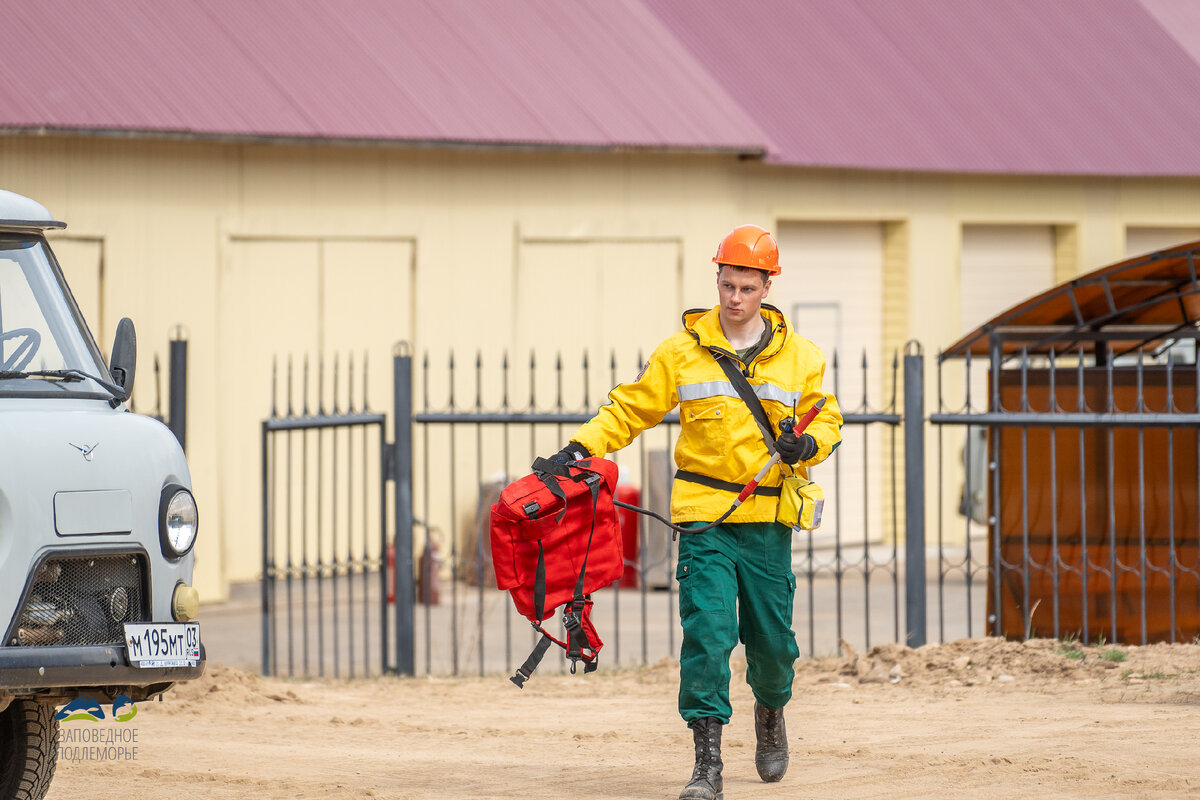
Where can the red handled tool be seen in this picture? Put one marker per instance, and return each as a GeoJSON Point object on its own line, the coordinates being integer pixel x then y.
{"type": "Point", "coordinates": [786, 425]}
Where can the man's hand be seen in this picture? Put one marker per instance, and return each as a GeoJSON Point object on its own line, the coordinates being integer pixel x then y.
{"type": "Point", "coordinates": [573, 452]}
{"type": "Point", "coordinates": [793, 448]}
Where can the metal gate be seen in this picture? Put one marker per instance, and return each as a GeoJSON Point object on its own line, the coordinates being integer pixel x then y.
{"type": "Point", "coordinates": [850, 574]}
{"type": "Point", "coordinates": [324, 528]}
{"type": "Point", "coordinates": [328, 578]}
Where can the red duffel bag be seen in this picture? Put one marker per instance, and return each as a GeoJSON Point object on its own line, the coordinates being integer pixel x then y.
{"type": "Point", "coordinates": [555, 540]}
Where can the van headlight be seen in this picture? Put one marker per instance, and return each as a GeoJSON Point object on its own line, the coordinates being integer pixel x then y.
{"type": "Point", "coordinates": [177, 521]}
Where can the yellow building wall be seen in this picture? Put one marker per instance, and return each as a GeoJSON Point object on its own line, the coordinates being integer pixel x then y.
{"type": "Point", "coordinates": [257, 250]}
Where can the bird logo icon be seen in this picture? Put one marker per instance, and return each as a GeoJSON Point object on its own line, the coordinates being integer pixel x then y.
{"type": "Point", "coordinates": [86, 450]}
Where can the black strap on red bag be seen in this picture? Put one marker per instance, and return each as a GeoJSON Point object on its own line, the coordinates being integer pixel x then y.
{"type": "Point", "coordinates": [582, 641]}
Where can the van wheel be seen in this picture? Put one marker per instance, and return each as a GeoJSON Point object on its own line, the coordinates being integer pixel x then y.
{"type": "Point", "coordinates": [28, 750]}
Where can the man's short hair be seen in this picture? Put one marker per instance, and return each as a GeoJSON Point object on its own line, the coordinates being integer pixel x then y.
{"type": "Point", "coordinates": [761, 272]}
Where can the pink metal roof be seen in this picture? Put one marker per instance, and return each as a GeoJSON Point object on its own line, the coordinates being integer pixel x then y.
{"type": "Point", "coordinates": [1097, 87]}
{"type": "Point", "coordinates": [1026, 86]}
{"type": "Point", "coordinates": [600, 73]}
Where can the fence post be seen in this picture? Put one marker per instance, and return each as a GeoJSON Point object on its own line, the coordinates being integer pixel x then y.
{"type": "Point", "coordinates": [402, 544]}
{"type": "Point", "coordinates": [177, 388]}
{"type": "Point", "coordinates": [914, 494]}
{"type": "Point", "coordinates": [268, 573]}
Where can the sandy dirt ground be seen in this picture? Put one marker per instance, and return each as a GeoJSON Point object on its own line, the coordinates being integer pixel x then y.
{"type": "Point", "coordinates": [980, 718]}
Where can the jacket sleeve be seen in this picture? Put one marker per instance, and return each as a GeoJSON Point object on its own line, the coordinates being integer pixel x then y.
{"type": "Point", "coordinates": [632, 407]}
{"type": "Point", "coordinates": [826, 427]}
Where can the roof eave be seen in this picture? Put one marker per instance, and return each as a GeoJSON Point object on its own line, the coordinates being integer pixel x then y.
{"type": "Point", "coordinates": [748, 151]}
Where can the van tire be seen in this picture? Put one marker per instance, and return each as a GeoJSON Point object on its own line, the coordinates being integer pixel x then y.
{"type": "Point", "coordinates": [28, 750]}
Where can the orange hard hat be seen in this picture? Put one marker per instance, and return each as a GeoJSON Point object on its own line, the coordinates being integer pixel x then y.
{"type": "Point", "coordinates": [749, 246]}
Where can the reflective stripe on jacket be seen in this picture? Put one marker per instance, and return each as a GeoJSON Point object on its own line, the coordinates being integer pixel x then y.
{"type": "Point", "coordinates": [718, 436]}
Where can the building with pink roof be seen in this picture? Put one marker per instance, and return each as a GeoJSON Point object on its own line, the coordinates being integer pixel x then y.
{"type": "Point", "coordinates": [313, 177]}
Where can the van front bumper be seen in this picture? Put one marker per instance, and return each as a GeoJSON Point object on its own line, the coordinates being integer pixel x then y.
{"type": "Point", "coordinates": [88, 666]}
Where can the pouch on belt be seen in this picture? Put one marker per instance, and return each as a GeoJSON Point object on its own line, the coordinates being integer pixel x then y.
{"type": "Point", "coordinates": [801, 502]}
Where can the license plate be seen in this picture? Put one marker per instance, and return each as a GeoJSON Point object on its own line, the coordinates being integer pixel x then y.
{"type": "Point", "coordinates": [163, 644]}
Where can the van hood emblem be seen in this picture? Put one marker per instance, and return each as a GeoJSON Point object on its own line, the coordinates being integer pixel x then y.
{"type": "Point", "coordinates": [87, 451]}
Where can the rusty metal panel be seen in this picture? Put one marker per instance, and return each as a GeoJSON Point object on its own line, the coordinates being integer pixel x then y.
{"type": "Point", "coordinates": [1080, 507]}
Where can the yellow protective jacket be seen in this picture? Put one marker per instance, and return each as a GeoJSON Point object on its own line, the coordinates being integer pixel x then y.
{"type": "Point", "coordinates": [718, 435]}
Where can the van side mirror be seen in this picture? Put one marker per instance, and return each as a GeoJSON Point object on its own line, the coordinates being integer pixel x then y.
{"type": "Point", "coordinates": [123, 360]}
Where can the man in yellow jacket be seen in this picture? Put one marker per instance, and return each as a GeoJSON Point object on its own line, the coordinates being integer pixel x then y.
{"type": "Point", "coordinates": [735, 581]}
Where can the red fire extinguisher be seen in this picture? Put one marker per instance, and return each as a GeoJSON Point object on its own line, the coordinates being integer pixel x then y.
{"type": "Point", "coordinates": [428, 580]}
{"type": "Point", "coordinates": [628, 520]}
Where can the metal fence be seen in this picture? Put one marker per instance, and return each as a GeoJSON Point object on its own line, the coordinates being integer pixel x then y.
{"type": "Point", "coordinates": [324, 586]}
{"type": "Point", "coordinates": [324, 529]}
{"type": "Point", "coordinates": [1065, 503]}
{"type": "Point", "coordinates": [467, 453]}
{"type": "Point", "coordinates": [1084, 470]}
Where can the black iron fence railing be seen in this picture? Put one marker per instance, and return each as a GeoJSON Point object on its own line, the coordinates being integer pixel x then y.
{"type": "Point", "coordinates": [1066, 505]}
{"type": "Point", "coordinates": [1082, 473]}
{"type": "Point", "coordinates": [439, 605]}
{"type": "Point", "coordinates": [324, 543]}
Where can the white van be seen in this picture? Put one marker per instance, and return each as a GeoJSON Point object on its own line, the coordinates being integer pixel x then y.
{"type": "Point", "coordinates": [97, 519]}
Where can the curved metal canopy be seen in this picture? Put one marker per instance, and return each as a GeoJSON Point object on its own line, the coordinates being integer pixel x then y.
{"type": "Point", "coordinates": [1139, 303]}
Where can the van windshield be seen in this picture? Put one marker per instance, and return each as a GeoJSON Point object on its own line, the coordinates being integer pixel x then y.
{"type": "Point", "coordinates": [40, 328]}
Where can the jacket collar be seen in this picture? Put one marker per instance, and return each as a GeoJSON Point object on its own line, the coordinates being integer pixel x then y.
{"type": "Point", "coordinates": [704, 325]}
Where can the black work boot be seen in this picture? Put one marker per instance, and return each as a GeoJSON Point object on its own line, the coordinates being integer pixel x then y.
{"type": "Point", "coordinates": [771, 752]}
{"type": "Point", "coordinates": [706, 777]}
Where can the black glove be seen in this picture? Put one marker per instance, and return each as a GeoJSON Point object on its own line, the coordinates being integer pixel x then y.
{"type": "Point", "coordinates": [793, 448]}
{"type": "Point", "coordinates": [573, 452]}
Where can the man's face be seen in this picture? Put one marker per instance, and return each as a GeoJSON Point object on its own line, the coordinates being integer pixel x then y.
{"type": "Point", "coordinates": [742, 292]}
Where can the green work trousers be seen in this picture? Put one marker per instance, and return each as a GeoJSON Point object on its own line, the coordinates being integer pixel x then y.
{"type": "Point", "coordinates": [735, 583]}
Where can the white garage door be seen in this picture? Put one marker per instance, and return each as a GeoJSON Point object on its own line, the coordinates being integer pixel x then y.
{"type": "Point", "coordinates": [831, 289]}
{"type": "Point", "coordinates": [1001, 266]}
{"type": "Point", "coordinates": [1140, 239]}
